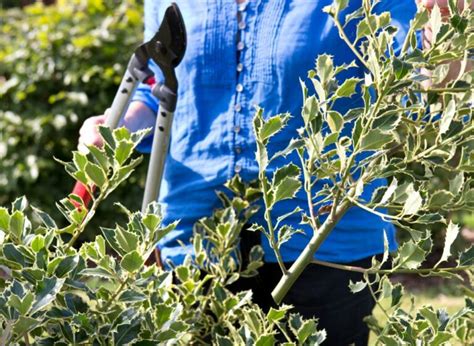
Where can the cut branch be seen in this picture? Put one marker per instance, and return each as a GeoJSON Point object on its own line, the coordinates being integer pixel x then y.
{"type": "Point", "coordinates": [306, 257]}
{"type": "Point", "coordinates": [392, 271]}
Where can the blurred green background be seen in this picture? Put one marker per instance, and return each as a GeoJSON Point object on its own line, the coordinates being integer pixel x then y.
{"type": "Point", "coordinates": [60, 64]}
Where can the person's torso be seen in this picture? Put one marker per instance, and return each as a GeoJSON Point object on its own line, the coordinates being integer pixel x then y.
{"type": "Point", "coordinates": [229, 67]}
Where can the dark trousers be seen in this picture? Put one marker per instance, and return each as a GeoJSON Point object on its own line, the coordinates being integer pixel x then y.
{"type": "Point", "coordinates": [320, 292]}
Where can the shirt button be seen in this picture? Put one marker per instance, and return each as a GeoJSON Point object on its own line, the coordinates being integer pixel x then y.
{"type": "Point", "coordinates": [238, 150]}
{"type": "Point", "coordinates": [242, 25]}
{"type": "Point", "coordinates": [237, 168]}
{"type": "Point", "coordinates": [240, 67]}
{"type": "Point", "coordinates": [237, 129]}
{"type": "Point", "coordinates": [239, 88]}
{"type": "Point", "coordinates": [240, 45]}
{"type": "Point", "coordinates": [238, 107]}
{"type": "Point", "coordinates": [243, 6]}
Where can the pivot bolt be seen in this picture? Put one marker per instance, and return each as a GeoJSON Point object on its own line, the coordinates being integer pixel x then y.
{"type": "Point", "coordinates": [161, 48]}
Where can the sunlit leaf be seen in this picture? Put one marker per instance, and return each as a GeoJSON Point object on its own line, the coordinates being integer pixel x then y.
{"type": "Point", "coordinates": [335, 121]}
{"type": "Point", "coordinates": [272, 126]}
{"type": "Point", "coordinates": [410, 255]}
{"type": "Point", "coordinates": [348, 87]}
{"type": "Point", "coordinates": [324, 67]}
{"type": "Point", "coordinates": [275, 315]}
{"type": "Point", "coordinates": [95, 174]}
{"type": "Point", "coordinates": [413, 203]}
{"type": "Point", "coordinates": [451, 234]}
{"type": "Point", "coordinates": [447, 117]}
{"type": "Point", "coordinates": [357, 286]}
{"type": "Point", "coordinates": [132, 261]}
{"type": "Point", "coordinates": [375, 139]}
{"type": "Point", "coordinates": [46, 292]}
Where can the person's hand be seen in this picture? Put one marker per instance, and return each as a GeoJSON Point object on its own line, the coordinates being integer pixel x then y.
{"type": "Point", "coordinates": [89, 132]}
{"type": "Point", "coordinates": [444, 9]}
{"type": "Point", "coordinates": [443, 5]}
{"type": "Point", "coordinates": [138, 117]}
{"type": "Point", "coordinates": [455, 66]}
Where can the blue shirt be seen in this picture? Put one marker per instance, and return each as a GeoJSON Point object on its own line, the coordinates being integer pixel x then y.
{"type": "Point", "coordinates": [212, 135]}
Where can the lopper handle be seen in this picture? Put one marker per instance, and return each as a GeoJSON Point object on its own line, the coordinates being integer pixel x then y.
{"type": "Point", "coordinates": [159, 151]}
{"type": "Point", "coordinates": [117, 110]}
{"type": "Point", "coordinates": [122, 98]}
{"type": "Point", "coordinates": [81, 191]}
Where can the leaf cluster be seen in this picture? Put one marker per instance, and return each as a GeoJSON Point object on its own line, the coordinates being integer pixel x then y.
{"type": "Point", "coordinates": [408, 125]}
{"type": "Point", "coordinates": [103, 292]}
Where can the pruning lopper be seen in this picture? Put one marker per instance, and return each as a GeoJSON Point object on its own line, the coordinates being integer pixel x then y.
{"type": "Point", "coordinates": [166, 49]}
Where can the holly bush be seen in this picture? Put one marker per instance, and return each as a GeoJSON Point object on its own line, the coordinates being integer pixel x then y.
{"type": "Point", "coordinates": [103, 293]}
{"type": "Point", "coordinates": [406, 132]}
{"type": "Point", "coordinates": [60, 65]}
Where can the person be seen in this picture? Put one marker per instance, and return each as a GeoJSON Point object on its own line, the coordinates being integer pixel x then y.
{"type": "Point", "coordinates": [241, 54]}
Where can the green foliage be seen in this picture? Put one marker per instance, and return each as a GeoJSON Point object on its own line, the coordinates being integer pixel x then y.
{"type": "Point", "coordinates": [103, 293]}
{"type": "Point", "coordinates": [60, 65]}
{"type": "Point", "coordinates": [406, 132]}
{"type": "Point", "coordinates": [416, 323]}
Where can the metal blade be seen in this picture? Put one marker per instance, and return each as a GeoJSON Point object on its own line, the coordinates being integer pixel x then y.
{"type": "Point", "coordinates": [168, 46]}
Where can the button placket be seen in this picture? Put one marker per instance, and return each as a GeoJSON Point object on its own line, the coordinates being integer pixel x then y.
{"type": "Point", "coordinates": [239, 88]}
